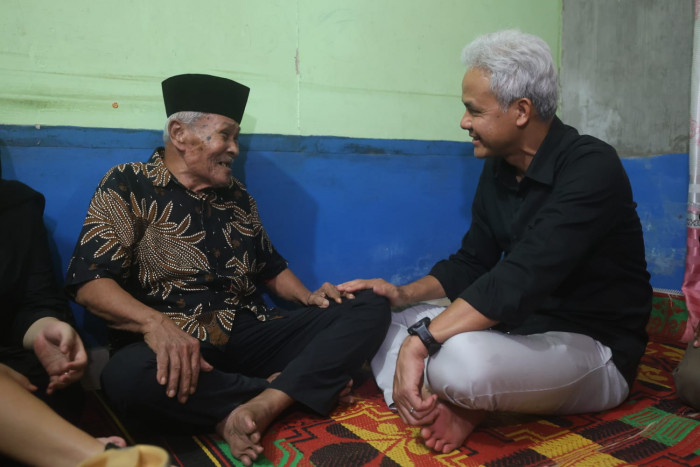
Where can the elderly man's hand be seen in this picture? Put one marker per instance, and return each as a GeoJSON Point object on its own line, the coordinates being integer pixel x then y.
{"type": "Point", "coordinates": [326, 292]}
{"type": "Point", "coordinates": [61, 352]}
{"type": "Point", "coordinates": [414, 407]}
{"type": "Point", "coordinates": [177, 355]}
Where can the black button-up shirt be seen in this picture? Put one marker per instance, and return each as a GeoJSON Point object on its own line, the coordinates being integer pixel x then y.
{"type": "Point", "coordinates": [561, 250]}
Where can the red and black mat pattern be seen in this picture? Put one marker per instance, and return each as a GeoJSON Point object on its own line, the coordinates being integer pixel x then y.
{"type": "Point", "coordinates": [652, 428]}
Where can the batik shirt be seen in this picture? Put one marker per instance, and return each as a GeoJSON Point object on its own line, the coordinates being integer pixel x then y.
{"type": "Point", "coordinates": [199, 258]}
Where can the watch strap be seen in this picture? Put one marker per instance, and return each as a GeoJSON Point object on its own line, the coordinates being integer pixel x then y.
{"type": "Point", "coordinates": [420, 329]}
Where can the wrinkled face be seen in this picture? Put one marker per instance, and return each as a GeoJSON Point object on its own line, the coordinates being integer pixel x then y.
{"type": "Point", "coordinates": [493, 131]}
{"type": "Point", "coordinates": [211, 145]}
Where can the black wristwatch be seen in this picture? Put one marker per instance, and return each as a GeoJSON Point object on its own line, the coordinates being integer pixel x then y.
{"type": "Point", "coordinates": [420, 329]}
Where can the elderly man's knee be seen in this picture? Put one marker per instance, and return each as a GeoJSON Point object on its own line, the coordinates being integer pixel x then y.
{"type": "Point", "coordinates": [375, 306]}
{"type": "Point", "coordinates": [129, 378]}
{"type": "Point", "coordinates": [368, 298]}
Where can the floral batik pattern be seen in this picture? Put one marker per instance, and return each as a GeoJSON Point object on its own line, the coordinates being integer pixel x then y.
{"type": "Point", "coordinates": [197, 257]}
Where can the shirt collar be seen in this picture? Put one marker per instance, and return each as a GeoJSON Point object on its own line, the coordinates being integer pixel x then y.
{"type": "Point", "coordinates": [541, 169]}
{"type": "Point", "coordinates": [160, 175]}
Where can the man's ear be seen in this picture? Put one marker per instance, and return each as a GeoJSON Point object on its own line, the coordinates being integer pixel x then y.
{"type": "Point", "coordinates": [177, 131]}
{"type": "Point", "coordinates": [524, 111]}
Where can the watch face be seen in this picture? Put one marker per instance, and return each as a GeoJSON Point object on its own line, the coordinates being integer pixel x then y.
{"type": "Point", "coordinates": [418, 324]}
{"type": "Point", "coordinates": [420, 329]}
{"type": "Point", "coordinates": [413, 329]}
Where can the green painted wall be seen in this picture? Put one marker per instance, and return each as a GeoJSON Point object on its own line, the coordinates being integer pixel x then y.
{"type": "Point", "coordinates": [360, 68]}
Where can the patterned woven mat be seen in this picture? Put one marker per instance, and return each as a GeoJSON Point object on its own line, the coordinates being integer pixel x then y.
{"type": "Point", "coordinates": [651, 428]}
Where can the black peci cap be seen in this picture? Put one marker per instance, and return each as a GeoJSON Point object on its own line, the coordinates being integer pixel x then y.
{"type": "Point", "coordinates": [205, 93]}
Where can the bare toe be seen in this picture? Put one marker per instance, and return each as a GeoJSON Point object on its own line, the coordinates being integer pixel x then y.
{"type": "Point", "coordinates": [451, 427]}
{"type": "Point", "coordinates": [239, 431]}
{"type": "Point", "coordinates": [116, 440]}
{"type": "Point", "coordinates": [250, 454]}
{"type": "Point", "coordinates": [449, 448]}
{"type": "Point", "coordinates": [345, 395]}
{"type": "Point", "coordinates": [273, 376]}
{"type": "Point", "coordinates": [439, 444]}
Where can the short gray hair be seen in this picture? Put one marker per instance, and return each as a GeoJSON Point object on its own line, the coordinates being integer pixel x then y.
{"type": "Point", "coordinates": [519, 65]}
{"type": "Point", "coordinates": [188, 118]}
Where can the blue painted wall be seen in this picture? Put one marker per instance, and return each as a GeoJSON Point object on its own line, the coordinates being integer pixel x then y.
{"type": "Point", "coordinates": [336, 208]}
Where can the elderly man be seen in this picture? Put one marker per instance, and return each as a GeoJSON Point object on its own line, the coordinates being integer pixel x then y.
{"type": "Point", "coordinates": [173, 253]}
{"type": "Point", "coordinates": [550, 293]}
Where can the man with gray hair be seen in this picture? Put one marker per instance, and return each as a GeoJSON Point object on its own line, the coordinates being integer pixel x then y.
{"type": "Point", "coordinates": [549, 291]}
{"type": "Point", "coordinates": [174, 256]}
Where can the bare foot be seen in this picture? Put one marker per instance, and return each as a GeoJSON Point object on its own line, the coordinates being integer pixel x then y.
{"type": "Point", "coordinates": [273, 376]}
{"type": "Point", "coordinates": [451, 427]}
{"type": "Point", "coordinates": [116, 440]}
{"type": "Point", "coordinates": [240, 432]}
{"type": "Point", "coordinates": [345, 396]}
{"type": "Point", "coordinates": [245, 425]}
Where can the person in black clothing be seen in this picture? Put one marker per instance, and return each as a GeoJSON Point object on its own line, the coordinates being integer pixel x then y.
{"type": "Point", "coordinates": [40, 351]}
{"type": "Point", "coordinates": [549, 291]}
{"type": "Point", "coordinates": [37, 338]}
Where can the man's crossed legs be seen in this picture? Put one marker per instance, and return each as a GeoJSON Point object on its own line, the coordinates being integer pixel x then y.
{"type": "Point", "coordinates": [315, 351]}
{"type": "Point", "coordinates": [483, 371]}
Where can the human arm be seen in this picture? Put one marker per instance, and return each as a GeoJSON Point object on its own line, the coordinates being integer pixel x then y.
{"type": "Point", "coordinates": [457, 318]}
{"type": "Point", "coordinates": [177, 353]}
{"type": "Point", "coordinates": [277, 277]}
{"type": "Point", "coordinates": [425, 288]}
{"type": "Point", "coordinates": [59, 349]}
{"type": "Point", "coordinates": [287, 286]}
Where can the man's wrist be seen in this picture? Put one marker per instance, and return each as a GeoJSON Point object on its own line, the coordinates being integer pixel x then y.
{"type": "Point", "coordinates": [405, 294]}
{"type": "Point", "coordinates": [415, 346]}
{"type": "Point", "coordinates": [420, 330]}
{"type": "Point", "coordinates": [36, 328]}
{"type": "Point", "coordinates": [153, 321]}
{"type": "Point", "coordinates": [307, 302]}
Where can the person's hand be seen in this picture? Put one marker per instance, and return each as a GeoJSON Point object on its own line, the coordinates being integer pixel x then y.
{"type": "Point", "coordinates": [177, 357]}
{"type": "Point", "coordinates": [414, 407]}
{"type": "Point", "coordinates": [7, 372]}
{"type": "Point", "coordinates": [379, 286]}
{"type": "Point", "coordinates": [61, 352]}
{"type": "Point", "coordinates": [326, 292]}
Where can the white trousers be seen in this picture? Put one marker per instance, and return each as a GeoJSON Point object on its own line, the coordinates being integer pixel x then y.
{"type": "Point", "coordinates": [549, 373]}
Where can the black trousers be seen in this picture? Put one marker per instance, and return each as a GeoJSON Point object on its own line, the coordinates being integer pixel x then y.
{"type": "Point", "coordinates": [317, 350]}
